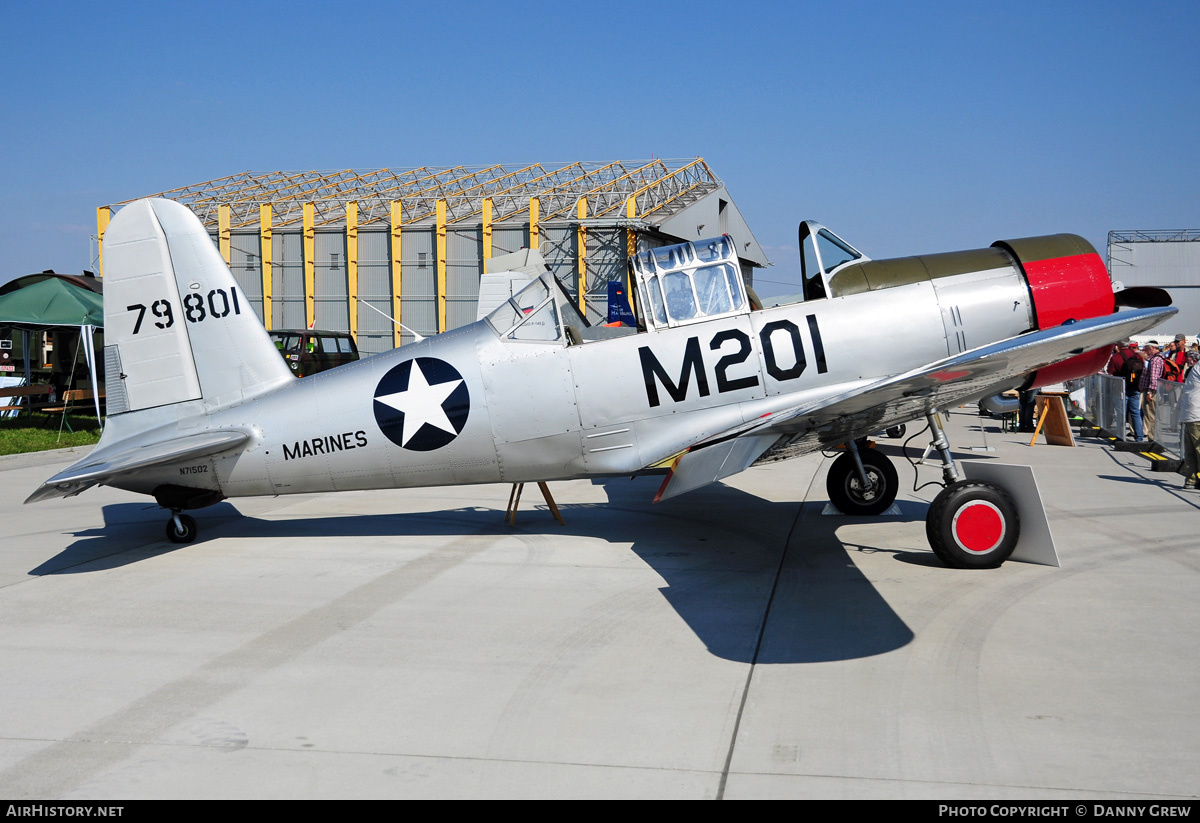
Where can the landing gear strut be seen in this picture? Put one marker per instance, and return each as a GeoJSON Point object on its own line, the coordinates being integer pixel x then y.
{"type": "Point", "coordinates": [862, 481]}
{"type": "Point", "coordinates": [182, 528]}
{"type": "Point", "coordinates": [971, 524]}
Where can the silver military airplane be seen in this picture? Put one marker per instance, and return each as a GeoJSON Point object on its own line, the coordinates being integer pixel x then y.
{"type": "Point", "coordinates": [709, 381]}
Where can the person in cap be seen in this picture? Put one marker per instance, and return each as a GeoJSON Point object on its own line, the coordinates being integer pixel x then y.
{"type": "Point", "coordinates": [1121, 352]}
{"type": "Point", "coordinates": [1176, 356]}
{"type": "Point", "coordinates": [1189, 421]}
{"type": "Point", "coordinates": [1148, 386]}
{"type": "Point", "coordinates": [1130, 375]}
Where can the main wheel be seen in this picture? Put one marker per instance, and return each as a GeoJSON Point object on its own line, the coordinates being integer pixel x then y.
{"type": "Point", "coordinates": [846, 489]}
{"type": "Point", "coordinates": [972, 525]}
{"type": "Point", "coordinates": [190, 529]}
{"type": "Point", "coordinates": [896, 432]}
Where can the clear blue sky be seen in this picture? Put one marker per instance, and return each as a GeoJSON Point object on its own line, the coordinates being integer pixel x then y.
{"type": "Point", "coordinates": [906, 127]}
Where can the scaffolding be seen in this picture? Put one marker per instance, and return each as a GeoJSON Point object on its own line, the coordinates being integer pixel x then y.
{"type": "Point", "coordinates": [308, 247]}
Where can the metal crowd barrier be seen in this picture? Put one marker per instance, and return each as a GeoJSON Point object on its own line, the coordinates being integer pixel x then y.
{"type": "Point", "coordinates": [1104, 404]}
{"type": "Point", "coordinates": [1167, 429]}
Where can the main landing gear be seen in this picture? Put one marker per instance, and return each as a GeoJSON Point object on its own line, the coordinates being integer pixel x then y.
{"type": "Point", "coordinates": [182, 528]}
{"type": "Point", "coordinates": [971, 524]}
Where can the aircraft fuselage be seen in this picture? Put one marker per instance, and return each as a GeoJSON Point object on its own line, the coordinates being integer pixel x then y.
{"type": "Point", "coordinates": [545, 410]}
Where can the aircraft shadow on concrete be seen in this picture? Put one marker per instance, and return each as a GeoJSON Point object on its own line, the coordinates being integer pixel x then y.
{"type": "Point", "coordinates": [721, 552]}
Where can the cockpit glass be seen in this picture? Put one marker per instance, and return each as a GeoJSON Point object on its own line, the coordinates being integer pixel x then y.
{"type": "Point", "coordinates": [517, 307]}
{"type": "Point", "coordinates": [504, 317]}
{"type": "Point", "coordinates": [669, 257]}
{"type": "Point", "coordinates": [711, 290]}
{"type": "Point", "coordinates": [540, 324]}
{"type": "Point", "coordinates": [811, 267]}
{"type": "Point", "coordinates": [734, 280]}
{"type": "Point", "coordinates": [681, 304]}
{"type": "Point", "coordinates": [656, 301]}
{"type": "Point", "coordinates": [833, 251]}
{"type": "Point", "coordinates": [531, 296]}
{"type": "Point", "coordinates": [709, 251]}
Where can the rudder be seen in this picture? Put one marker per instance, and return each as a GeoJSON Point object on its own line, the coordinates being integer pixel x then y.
{"type": "Point", "coordinates": [177, 326]}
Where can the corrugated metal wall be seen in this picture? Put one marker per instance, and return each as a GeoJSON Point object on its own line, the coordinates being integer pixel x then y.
{"type": "Point", "coordinates": [464, 262]}
{"type": "Point", "coordinates": [287, 281]}
{"type": "Point", "coordinates": [1161, 263]}
{"type": "Point", "coordinates": [606, 261]}
{"type": "Point", "coordinates": [331, 307]}
{"type": "Point", "coordinates": [418, 287]}
{"type": "Point", "coordinates": [506, 240]}
{"type": "Point", "coordinates": [245, 261]}
{"type": "Point", "coordinates": [557, 247]}
{"type": "Point", "coordinates": [375, 288]}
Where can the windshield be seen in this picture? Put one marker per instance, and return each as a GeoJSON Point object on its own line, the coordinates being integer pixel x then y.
{"type": "Point", "coordinates": [690, 281]}
{"type": "Point", "coordinates": [536, 313]}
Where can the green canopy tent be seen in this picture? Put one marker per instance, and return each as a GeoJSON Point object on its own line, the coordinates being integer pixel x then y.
{"type": "Point", "coordinates": [55, 302]}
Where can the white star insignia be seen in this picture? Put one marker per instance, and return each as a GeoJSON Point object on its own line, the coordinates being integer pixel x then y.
{"type": "Point", "coordinates": [421, 403]}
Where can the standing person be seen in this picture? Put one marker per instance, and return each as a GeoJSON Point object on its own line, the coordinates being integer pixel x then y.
{"type": "Point", "coordinates": [1117, 359]}
{"type": "Point", "coordinates": [1131, 374]}
{"type": "Point", "coordinates": [1148, 385]}
{"type": "Point", "coordinates": [1123, 351]}
{"type": "Point", "coordinates": [1027, 401]}
{"type": "Point", "coordinates": [1177, 357]}
{"type": "Point", "coordinates": [1189, 420]}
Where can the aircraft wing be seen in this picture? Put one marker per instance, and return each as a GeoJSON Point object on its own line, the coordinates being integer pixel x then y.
{"type": "Point", "coordinates": [101, 467]}
{"type": "Point", "coordinates": [889, 401]}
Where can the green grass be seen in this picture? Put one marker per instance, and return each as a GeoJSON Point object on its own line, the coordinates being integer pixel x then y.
{"type": "Point", "coordinates": [22, 434]}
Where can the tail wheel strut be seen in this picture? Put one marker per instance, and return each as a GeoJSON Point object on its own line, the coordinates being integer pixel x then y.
{"type": "Point", "coordinates": [182, 528]}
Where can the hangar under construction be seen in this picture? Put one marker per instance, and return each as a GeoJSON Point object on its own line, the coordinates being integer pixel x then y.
{"type": "Point", "coordinates": [352, 250]}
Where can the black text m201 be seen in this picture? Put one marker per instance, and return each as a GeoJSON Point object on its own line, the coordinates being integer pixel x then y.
{"type": "Point", "coordinates": [780, 341]}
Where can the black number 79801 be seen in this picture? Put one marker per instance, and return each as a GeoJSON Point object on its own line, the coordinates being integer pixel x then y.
{"type": "Point", "coordinates": [219, 306]}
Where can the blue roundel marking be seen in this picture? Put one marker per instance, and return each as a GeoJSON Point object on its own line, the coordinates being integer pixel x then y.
{"type": "Point", "coordinates": [422, 404]}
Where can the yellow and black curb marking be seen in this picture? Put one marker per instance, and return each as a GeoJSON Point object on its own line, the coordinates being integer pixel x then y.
{"type": "Point", "coordinates": [1151, 450]}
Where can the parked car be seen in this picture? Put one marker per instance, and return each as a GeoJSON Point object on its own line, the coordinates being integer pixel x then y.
{"type": "Point", "coordinates": [308, 351]}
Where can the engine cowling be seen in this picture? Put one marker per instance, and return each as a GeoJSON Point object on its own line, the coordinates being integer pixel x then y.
{"type": "Point", "coordinates": [1067, 281]}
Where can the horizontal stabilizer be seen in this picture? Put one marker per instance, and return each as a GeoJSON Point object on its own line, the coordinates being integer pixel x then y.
{"type": "Point", "coordinates": [99, 468]}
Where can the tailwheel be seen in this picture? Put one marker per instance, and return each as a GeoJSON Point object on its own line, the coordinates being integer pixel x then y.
{"type": "Point", "coordinates": [972, 525]}
{"type": "Point", "coordinates": [850, 494]}
{"type": "Point", "coordinates": [182, 528]}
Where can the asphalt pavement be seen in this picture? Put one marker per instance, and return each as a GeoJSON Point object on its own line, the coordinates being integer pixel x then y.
{"type": "Point", "coordinates": [736, 642]}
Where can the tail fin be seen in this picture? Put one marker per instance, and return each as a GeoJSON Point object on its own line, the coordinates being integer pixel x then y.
{"type": "Point", "coordinates": [176, 325]}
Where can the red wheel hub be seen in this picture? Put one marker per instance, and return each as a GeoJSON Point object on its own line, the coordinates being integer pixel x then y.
{"type": "Point", "coordinates": [978, 526]}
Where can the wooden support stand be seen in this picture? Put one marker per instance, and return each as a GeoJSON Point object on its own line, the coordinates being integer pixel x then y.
{"type": "Point", "coordinates": [514, 500]}
{"type": "Point", "coordinates": [1052, 416]}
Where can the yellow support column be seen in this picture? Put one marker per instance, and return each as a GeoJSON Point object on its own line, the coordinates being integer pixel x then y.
{"type": "Point", "coordinates": [223, 231]}
{"type": "Point", "coordinates": [310, 253]}
{"type": "Point", "coordinates": [581, 242]}
{"type": "Point", "coordinates": [487, 231]}
{"type": "Point", "coordinates": [103, 215]}
{"type": "Point", "coordinates": [352, 265]}
{"type": "Point", "coordinates": [534, 208]}
{"type": "Point", "coordinates": [630, 245]}
{"type": "Point", "coordinates": [397, 272]}
{"type": "Point", "coordinates": [441, 265]}
{"type": "Point", "coordinates": [630, 234]}
{"type": "Point", "coordinates": [265, 216]}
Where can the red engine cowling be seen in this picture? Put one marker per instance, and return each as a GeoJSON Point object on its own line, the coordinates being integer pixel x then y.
{"type": "Point", "coordinates": [1067, 281]}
